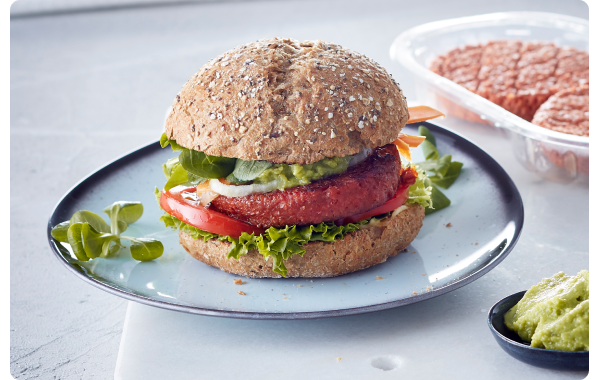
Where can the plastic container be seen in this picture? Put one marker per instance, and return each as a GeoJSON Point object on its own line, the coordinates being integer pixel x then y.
{"type": "Point", "coordinates": [553, 155]}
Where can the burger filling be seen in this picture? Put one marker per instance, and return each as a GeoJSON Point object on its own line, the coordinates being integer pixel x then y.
{"type": "Point", "coordinates": [278, 208]}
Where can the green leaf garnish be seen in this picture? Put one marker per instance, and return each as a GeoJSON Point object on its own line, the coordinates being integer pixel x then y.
{"type": "Point", "coordinates": [206, 166]}
{"type": "Point", "coordinates": [248, 170]}
{"type": "Point", "coordinates": [450, 176]}
{"type": "Point", "coordinates": [420, 191]}
{"type": "Point", "coordinates": [145, 249]}
{"type": "Point", "coordinates": [76, 241]}
{"type": "Point", "coordinates": [123, 213]}
{"type": "Point", "coordinates": [439, 200]}
{"type": "Point", "coordinates": [93, 219]}
{"type": "Point", "coordinates": [178, 176]}
{"type": "Point", "coordinates": [278, 243]}
{"type": "Point", "coordinates": [429, 146]}
{"type": "Point", "coordinates": [157, 195]}
{"type": "Point", "coordinates": [441, 171]}
{"type": "Point", "coordinates": [91, 237]}
{"type": "Point", "coordinates": [59, 232]}
{"type": "Point", "coordinates": [164, 142]}
{"type": "Point", "coordinates": [94, 241]}
{"type": "Point", "coordinates": [128, 212]}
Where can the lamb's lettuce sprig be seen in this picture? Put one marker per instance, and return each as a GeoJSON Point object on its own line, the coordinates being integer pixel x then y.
{"type": "Point", "coordinates": [440, 170]}
{"type": "Point", "coordinates": [91, 237]}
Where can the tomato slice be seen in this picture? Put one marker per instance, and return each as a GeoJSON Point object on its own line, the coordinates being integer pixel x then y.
{"type": "Point", "coordinates": [408, 178]}
{"type": "Point", "coordinates": [183, 204]}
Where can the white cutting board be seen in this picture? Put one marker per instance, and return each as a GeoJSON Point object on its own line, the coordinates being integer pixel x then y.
{"type": "Point", "coordinates": [410, 342]}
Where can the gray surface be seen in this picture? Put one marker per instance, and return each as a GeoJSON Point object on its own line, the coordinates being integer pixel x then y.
{"type": "Point", "coordinates": [86, 88]}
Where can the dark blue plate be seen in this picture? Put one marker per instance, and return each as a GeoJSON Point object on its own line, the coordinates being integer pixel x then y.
{"type": "Point", "coordinates": [486, 208]}
{"type": "Point", "coordinates": [511, 343]}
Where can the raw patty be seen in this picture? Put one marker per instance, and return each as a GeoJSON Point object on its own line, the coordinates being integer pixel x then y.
{"type": "Point", "coordinates": [567, 111]}
{"type": "Point", "coordinates": [518, 76]}
{"type": "Point", "coordinates": [360, 189]}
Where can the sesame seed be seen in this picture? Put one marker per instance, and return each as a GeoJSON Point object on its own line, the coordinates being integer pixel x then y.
{"type": "Point", "coordinates": [285, 118]}
{"type": "Point", "coordinates": [361, 124]}
{"type": "Point", "coordinates": [324, 133]}
{"type": "Point", "coordinates": [326, 108]}
{"type": "Point", "coordinates": [316, 129]}
{"type": "Point", "coordinates": [330, 115]}
{"type": "Point", "coordinates": [351, 98]}
{"type": "Point", "coordinates": [307, 121]}
{"type": "Point", "coordinates": [361, 81]}
{"type": "Point", "coordinates": [295, 133]}
{"type": "Point", "coordinates": [242, 129]}
{"type": "Point", "coordinates": [350, 66]}
{"type": "Point", "coordinates": [333, 135]}
{"type": "Point", "coordinates": [350, 114]}
{"type": "Point", "coordinates": [212, 116]}
{"type": "Point", "coordinates": [389, 103]}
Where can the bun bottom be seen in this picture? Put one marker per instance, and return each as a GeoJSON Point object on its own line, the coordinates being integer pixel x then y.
{"type": "Point", "coordinates": [368, 246]}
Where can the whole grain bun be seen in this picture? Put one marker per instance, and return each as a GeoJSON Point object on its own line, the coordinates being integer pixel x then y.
{"type": "Point", "coordinates": [287, 101]}
{"type": "Point", "coordinates": [361, 249]}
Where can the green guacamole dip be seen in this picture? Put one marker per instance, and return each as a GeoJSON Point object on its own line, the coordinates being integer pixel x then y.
{"type": "Point", "coordinates": [554, 314]}
{"type": "Point", "coordinates": [296, 175]}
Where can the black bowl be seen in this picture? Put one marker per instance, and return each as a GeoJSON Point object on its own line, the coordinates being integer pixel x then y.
{"type": "Point", "coordinates": [511, 343]}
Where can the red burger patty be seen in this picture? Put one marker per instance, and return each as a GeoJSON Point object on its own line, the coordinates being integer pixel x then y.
{"type": "Point", "coordinates": [361, 188]}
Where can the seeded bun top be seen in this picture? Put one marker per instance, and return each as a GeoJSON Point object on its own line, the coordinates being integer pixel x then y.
{"type": "Point", "coordinates": [287, 101]}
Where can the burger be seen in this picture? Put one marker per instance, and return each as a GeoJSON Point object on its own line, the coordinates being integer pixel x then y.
{"type": "Point", "coordinates": [289, 162]}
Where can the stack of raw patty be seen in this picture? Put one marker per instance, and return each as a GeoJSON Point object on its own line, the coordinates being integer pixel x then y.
{"type": "Point", "coordinates": [522, 77]}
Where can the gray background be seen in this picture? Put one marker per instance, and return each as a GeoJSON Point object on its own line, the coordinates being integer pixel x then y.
{"type": "Point", "coordinates": [87, 87]}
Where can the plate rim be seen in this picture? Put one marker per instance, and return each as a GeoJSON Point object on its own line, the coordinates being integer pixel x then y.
{"type": "Point", "coordinates": [509, 183]}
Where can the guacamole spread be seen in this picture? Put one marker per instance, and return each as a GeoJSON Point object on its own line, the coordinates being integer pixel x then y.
{"type": "Point", "coordinates": [554, 314]}
{"type": "Point", "coordinates": [296, 175]}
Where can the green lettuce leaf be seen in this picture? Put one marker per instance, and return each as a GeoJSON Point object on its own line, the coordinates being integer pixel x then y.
{"type": "Point", "coordinates": [277, 243]}
{"type": "Point", "coordinates": [451, 174]}
{"type": "Point", "coordinates": [439, 199]}
{"type": "Point", "coordinates": [143, 249]}
{"type": "Point", "coordinates": [157, 195]}
{"type": "Point", "coordinates": [441, 170]}
{"type": "Point", "coordinates": [95, 220]}
{"type": "Point", "coordinates": [76, 241]}
{"type": "Point", "coordinates": [248, 170]}
{"type": "Point", "coordinates": [91, 237]}
{"type": "Point", "coordinates": [176, 176]}
{"type": "Point", "coordinates": [170, 221]}
{"type": "Point", "coordinates": [59, 232]}
{"type": "Point", "coordinates": [164, 142]}
{"type": "Point", "coordinates": [429, 146]}
{"type": "Point", "coordinates": [203, 165]}
{"type": "Point", "coordinates": [420, 191]}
